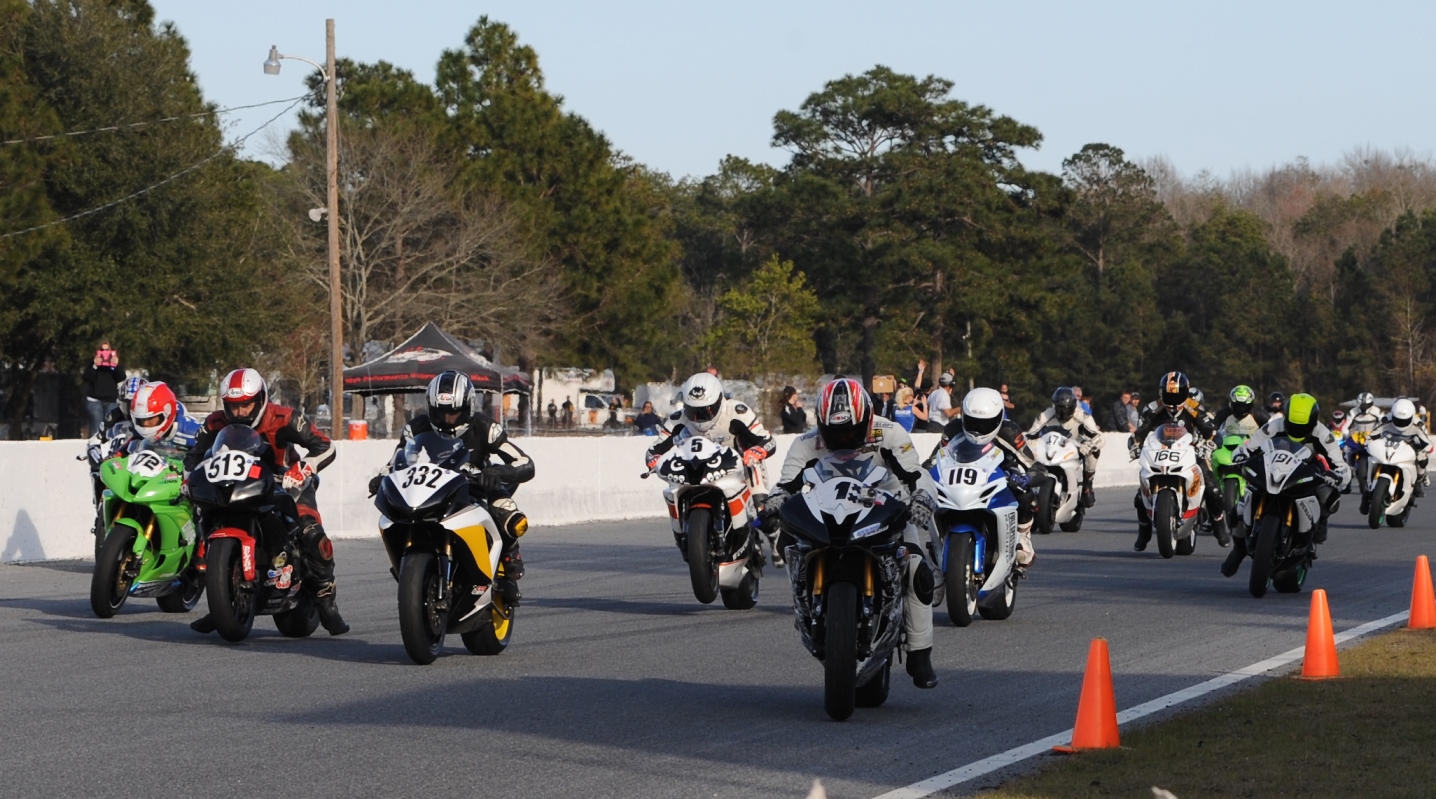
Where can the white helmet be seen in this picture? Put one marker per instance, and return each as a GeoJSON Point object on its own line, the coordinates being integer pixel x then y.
{"type": "Point", "coordinates": [702, 399]}
{"type": "Point", "coordinates": [1403, 413]}
{"type": "Point", "coordinates": [982, 414]}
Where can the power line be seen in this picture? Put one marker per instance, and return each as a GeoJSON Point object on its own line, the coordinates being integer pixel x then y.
{"type": "Point", "coordinates": [133, 125]}
{"type": "Point", "coordinates": [148, 189]}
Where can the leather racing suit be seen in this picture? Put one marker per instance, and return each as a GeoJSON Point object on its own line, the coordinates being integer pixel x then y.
{"type": "Point", "coordinates": [1200, 424]}
{"type": "Point", "coordinates": [1083, 431]}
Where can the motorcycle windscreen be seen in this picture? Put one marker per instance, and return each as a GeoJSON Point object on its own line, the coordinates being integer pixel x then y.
{"type": "Point", "coordinates": [434, 448]}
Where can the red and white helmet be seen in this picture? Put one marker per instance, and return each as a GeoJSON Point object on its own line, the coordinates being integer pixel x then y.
{"type": "Point", "coordinates": [845, 415]}
{"type": "Point", "coordinates": [153, 411]}
{"type": "Point", "coordinates": [244, 396]}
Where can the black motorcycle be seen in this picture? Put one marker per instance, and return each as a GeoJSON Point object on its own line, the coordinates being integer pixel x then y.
{"type": "Point", "coordinates": [846, 568]}
{"type": "Point", "coordinates": [1283, 513]}
{"type": "Point", "coordinates": [250, 532]}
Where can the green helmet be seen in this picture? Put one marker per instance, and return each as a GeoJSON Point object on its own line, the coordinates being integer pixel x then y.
{"type": "Point", "coordinates": [1242, 399]}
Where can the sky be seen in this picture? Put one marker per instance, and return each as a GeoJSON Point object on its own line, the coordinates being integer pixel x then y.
{"type": "Point", "coordinates": [1217, 86]}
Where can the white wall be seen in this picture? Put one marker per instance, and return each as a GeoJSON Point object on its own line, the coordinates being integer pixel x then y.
{"type": "Point", "coordinates": [45, 510]}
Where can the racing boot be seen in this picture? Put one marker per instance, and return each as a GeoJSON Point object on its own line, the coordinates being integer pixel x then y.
{"type": "Point", "coordinates": [919, 668]}
{"type": "Point", "coordinates": [1234, 560]}
{"type": "Point", "coordinates": [1318, 536]}
{"type": "Point", "coordinates": [1144, 535]}
{"type": "Point", "coordinates": [776, 542]}
{"type": "Point", "coordinates": [318, 553]}
{"type": "Point", "coordinates": [1026, 555]}
{"type": "Point", "coordinates": [1088, 497]}
{"type": "Point", "coordinates": [1219, 529]}
{"type": "Point", "coordinates": [1365, 504]}
{"type": "Point", "coordinates": [204, 624]}
{"type": "Point", "coordinates": [508, 585]}
{"type": "Point", "coordinates": [328, 612]}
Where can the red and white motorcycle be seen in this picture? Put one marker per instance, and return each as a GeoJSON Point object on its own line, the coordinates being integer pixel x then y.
{"type": "Point", "coordinates": [1171, 488]}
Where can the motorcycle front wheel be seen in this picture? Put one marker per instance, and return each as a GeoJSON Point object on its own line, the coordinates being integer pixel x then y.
{"type": "Point", "coordinates": [1268, 533]}
{"type": "Point", "coordinates": [1378, 502]}
{"type": "Point", "coordinates": [1164, 523]}
{"type": "Point", "coordinates": [961, 592]}
{"type": "Point", "coordinates": [231, 607]}
{"type": "Point", "coordinates": [840, 660]}
{"type": "Point", "coordinates": [110, 584]}
{"type": "Point", "coordinates": [701, 568]}
{"type": "Point", "coordinates": [421, 623]}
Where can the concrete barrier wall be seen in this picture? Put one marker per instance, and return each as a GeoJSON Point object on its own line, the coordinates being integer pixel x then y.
{"type": "Point", "coordinates": [45, 492]}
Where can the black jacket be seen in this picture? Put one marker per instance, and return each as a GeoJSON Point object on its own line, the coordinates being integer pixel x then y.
{"type": "Point", "coordinates": [1156, 414]}
{"type": "Point", "coordinates": [103, 382]}
{"type": "Point", "coordinates": [484, 439]}
{"type": "Point", "coordinates": [795, 420]}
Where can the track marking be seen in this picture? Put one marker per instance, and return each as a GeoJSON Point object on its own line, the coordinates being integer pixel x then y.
{"type": "Point", "coordinates": [1018, 754]}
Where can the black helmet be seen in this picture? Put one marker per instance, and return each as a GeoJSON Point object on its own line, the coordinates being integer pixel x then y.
{"type": "Point", "coordinates": [1275, 402]}
{"type": "Point", "coordinates": [1174, 389]}
{"type": "Point", "coordinates": [1064, 403]}
{"type": "Point", "coordinates": [450, 398]}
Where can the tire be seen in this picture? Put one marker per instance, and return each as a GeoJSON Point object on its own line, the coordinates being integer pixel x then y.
{"type": "Point", "coordinates": [1399, 520]}
{"type": "Point", "coordinates": [493, 637]}
{"type": "Point", "coordinates": [1188, 544]}
{"type": "Point", "coordinates": [231, 609]}
{"type": "Point", "coordinates": [701, 568]}
{"type": "Point", "coordinates": [745, 596]}
{"type": "Point", "coordinates": [98, 531]}
{"type": "Point", "coordinates": [300, 621]}
{"type": "Point", "coordinates": [1003, 609]}
{"type": "Point", "coordinates": [1046, 506]}
{"type": "Point", "coordinates": [1164, 523]}
{"type": "Point", "coordinates": [1268, 530]}
{"type": "Point", "coordinates": [421, 625]}
{"type": "Point", "coordinates": [109, 587]}
{"type": "Point", "coordinates": [1378, 502]}
{"type": "Point", "coordinates": [874, 692]}
{"type": "Point", "coordinates": [1074, 524]}
{"type": "Point", "coordinates": [1290, 582]}
{"type": "Point", "coordinates": [960, 592]}
{"type": "Point", "coordinates": [184, 600]}
{"type": "Point", "coordinates": [840, 660]}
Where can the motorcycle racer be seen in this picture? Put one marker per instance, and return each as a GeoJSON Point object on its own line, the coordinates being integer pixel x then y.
{"type": "Point", "coordinates": [1173, 406]}
{"type": "Point", "coordinates": [1066, 413]}
{"type": "Point", "coordinates": [453, 411]}
{"type": "Point", "coordinates": [1404, 422]}
{"type": "Point", "coordinates": [246, 402]}
{"type": "Point", "coordinates": [160, 420]}
{"type": "Point", "coordinates": [848, 429]}
{"type": "Point", "coordinates": [1241, 417]}
{"type": "Point", "coordinates": [984, 419]}
{"type": "Point", "coordinates": [1300, 424]}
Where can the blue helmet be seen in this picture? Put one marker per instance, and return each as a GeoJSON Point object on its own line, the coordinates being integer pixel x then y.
{"type": "Point", "coordinates": [128, 390]}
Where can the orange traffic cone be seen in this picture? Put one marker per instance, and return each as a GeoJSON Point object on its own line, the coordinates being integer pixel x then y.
{"type": "Point", "coordinates": [1320, 660]}
{"type": "Point", "coordinates": [1096, 726]}
{"type": "Point", "coordinates": [1423, 601]}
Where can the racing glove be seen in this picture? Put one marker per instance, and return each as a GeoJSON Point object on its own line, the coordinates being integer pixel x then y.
{"type": "Point", "coordinates": [374, 484]}
{"type": "Point", "coordinates": [482, 479]}
{"type": "Point", "coordinates": [753, 455]}
{"type": "Point", "coordinates": [921, 509]}
{"type": "Point", "coordinates": [651, 460]}
{"type": "Point", "coordinates": [774, 501]}
{"type": "Point", "coordinates": [297, 475]}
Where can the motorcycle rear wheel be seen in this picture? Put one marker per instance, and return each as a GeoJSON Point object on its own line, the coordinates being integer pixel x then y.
{"type": "Point", "coordinates": [1074, 524]}
{"type": "Point", "coordinates": [1164, 523]}
{"type": "Point", "coordinates": [1002, 609]}
{"type": "Point", "coordinates": [1290, 582]}
{"type": "Point", "coordinates": [745, 596]}
{"type": "Point", "coordinates": [230, 608]}
{"type": "Point", "coordinates": [109, 586]}
{"type": "Point", "coordinates": [874, 692]}
{"type": "Point", "coordinates": [1378, 502]}
{"type": "Point", "coordinates": [1268, 531]}
{"type": "Point", "coordinates": [184, 600]}
{"type": "Point", "coordinates": [840, 660]}
{"type": "Point", "coordinates": [960, 592]}
{"type": "Point", "coordinates": [299, 621]}
{"type": "Point", "coordinates": [701, 568]}
{"type": "Point", "coordinates": [421, 624]}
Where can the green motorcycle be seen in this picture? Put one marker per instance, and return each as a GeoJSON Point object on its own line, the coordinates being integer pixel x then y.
{"type": "Point", "coordinates": [1230, 478]}
{"type": "Point", "coordinates": [149, 543]}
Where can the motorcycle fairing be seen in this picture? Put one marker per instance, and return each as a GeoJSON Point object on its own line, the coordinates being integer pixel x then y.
{"type": "Point", "coordinates": [246, 547]}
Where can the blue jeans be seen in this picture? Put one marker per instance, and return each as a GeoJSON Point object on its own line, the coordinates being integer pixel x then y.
{"type": "Point", "coordinates": [96, 409]}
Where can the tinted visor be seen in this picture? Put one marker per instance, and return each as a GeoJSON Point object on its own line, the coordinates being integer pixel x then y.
{"type": "Point", "coordinates": [701, 413]}
{"type": "Point", "coordinates": [840, 437]}
{"type": "Point", "coordinates": [980, 427]}
{"type": "Point", "coordinates": [1241, 408]}
{"type": "Point", "coordinates": [1300, 431]}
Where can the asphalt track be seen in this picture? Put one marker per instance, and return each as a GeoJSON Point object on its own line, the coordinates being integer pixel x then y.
{"type": "Point", "coordinates": [618, 683]}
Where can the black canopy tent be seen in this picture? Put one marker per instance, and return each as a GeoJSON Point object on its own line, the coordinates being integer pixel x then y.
{"type": "Point", "coordinates": [409, 367]}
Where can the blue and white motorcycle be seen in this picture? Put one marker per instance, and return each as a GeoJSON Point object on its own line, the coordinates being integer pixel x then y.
{"type": "Point", "coordinates": [974, 533]}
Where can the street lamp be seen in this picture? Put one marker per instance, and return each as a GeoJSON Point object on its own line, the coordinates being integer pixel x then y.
{"type": "Point", "coordinates": [336, 330]}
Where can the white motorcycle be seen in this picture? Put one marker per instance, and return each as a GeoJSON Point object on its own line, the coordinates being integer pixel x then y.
{"type": "Point", "coordinates": [1392, 480]}
{"type": "Point", "coordinates": [1060, 457]}
{"type": "Point", "coordinates": [975, 532]}
{"type": "Point", "coordinates": [1171, 488]}
{"type": "Point", "coordinates": [710, 506]}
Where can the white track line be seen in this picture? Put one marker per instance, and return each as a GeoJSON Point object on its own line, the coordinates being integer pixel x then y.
{"type": "Point", "coordinates": [1004, 759]}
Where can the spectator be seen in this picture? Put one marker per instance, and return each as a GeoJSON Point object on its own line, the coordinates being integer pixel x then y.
{"type": "Point", "coordinates": [939, 405]}
{"type": "Point", "coordinates": [919, 412]}
{"type": "Point", "coordinates": [552, 413]}
{"type": "Point", "coordinates": [567, 411]}
{"type": "Point", "coordinates": [102, 380]}
{"type": "Point", "coordinates": [795, 419]}
{"type": "Point", "coordinates": [648, 422]}
{"type": "Point", "coordinates": [903, 412]}
{"type": "Point", "coordinates": [903, 397]}
{"type": "Point", "coordinates": [918, 386]}
{"type": "Point", "coordinates": [614, 406]}
{"type": "Point", "coordinates": [1134, 413]}
{"type": "Point", "coordinates": [1082, 400]}
{"type": "Point", "coordinates": [1117, 417]}
{"type": "Point", "coordinates": [1007, 402]}
{"type": "Point", "coordinates": [886, 406]}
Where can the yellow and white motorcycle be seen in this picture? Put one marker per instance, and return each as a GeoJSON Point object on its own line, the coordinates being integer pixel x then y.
{"type": "Point", "coordinates": [445, 549]}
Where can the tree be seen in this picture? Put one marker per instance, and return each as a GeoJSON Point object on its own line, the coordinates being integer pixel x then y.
{"type": "Point", "coordinates": [767, 323]}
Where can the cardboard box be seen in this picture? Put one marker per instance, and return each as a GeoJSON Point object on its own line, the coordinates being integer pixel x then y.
{"type": "Point", "coordinates": [884, 384]}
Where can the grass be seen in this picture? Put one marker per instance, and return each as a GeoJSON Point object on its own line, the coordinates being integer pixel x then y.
{"type": "Point", "coordinates": [1371, 733]}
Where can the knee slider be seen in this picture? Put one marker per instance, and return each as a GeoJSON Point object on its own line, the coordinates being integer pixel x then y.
{"type": "Point", "coordinates": [922, 582]}
{"type": "Point", "coordinates": [316, 540]}
{"type": "Point", "coordinates": [510, 518]}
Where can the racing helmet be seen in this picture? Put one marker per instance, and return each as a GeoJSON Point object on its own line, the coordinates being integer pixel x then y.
{"type": "Point", "coordinates": [1302, 414]}
{"type": "Point", "coordinates": [128, 390]}
{"type": "Point", "coordinates": [1364, 401]}
{"type": "Point", "coordinates": [244, 396]}
{"type": "Point", "coordinates": [845, 415]}
{"type": "Point", "coordinates": [702, 400]}
{"type": "Point", "coordinates": [1064, 403]}
{"type": "Point", "coordinates": [1275, 402]}
{"type": "Point", "coordinates": [154, 411]}
{"type": "Point", "coordinates": [1403, 413]}
{"type": "Point", "coordinates": [450, 397]}
{"type": "Point", "coordinates": [1240, 400]}
{"type": "Point", "coordinates": [982, 414]}
{"type": "Point", "coordinates": [1337, 417]}
{"type": "Point", "coordinates": [1174, 390]}
{"type": "Point", "coordinates": [1197, 397]}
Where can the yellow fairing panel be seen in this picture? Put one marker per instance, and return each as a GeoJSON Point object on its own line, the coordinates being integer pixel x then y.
{"type": "Point", "coordinates": [473, 525]}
